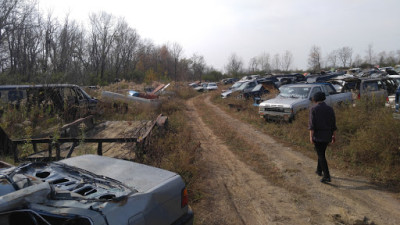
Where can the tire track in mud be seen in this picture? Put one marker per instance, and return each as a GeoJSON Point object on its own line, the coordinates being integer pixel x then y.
{"type": "Point", "coordinates": [257, 201]}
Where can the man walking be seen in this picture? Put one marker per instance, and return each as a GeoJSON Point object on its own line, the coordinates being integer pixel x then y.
{"type": "Point", "coordinates": [322, 126]}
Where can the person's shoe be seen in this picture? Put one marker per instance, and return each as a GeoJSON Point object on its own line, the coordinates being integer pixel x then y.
{"type": "Point", "coordinates": [319, 173]}
{"type": "Point", "coordinates": [326, 179]}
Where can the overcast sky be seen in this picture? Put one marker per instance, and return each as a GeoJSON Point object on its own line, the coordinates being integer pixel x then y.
{"type": "Point", "coordinates": [218, 28]}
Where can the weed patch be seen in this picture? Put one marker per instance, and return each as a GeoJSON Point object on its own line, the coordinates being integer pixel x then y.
{"type": "Point", "coordinates": [368, 141]}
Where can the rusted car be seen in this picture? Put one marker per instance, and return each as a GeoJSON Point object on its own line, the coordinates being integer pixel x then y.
{"type": "Point", "coordinates": [67, 99]}
{"type": "Point", "coordinates": [92, 190]}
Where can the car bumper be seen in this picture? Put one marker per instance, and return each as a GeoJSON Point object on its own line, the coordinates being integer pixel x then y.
{"type": "Point", "coordinates": [276, 115]}
{"type": "Point", "coordinates": [186, 219]}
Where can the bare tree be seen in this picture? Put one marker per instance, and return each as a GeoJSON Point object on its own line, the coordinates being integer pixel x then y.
{"type": "Point", "coordinates": [370, 57]}
{"type": "Point", "coordinates": [287, 60]}
{"type": "Point", "coordinates": [176, 53]}
{"type": "Point", "coordinates": [125, 50]}
{"type": "Point", "coordinates": [314, 58]}
{"type": "Point", "coordinates": [276, 62]}
{"type": "Point", "coordinates": [49, 42]}
{"type": "Point", "coordinates": [102, 36]}
{"type": "Point", "coordinates": [264, 62]}
{"type": "Point", "coordinates": [198, 65]}
{"type": "Point", "coordinates": [391, 59]}
{"type": "Point", "coordinates": [332, 58]}
{"type": "Point", "coordinates": [357, 61]}
{"type": "Point", "coordinates": [36, 48]}
{"type": "Point", "coordinates": [382, 58]}
{"type": "Point", "coordinates": [345, 55]}
{"type": "Point", "coordinates": [253, 65]}
{"type": "Point", "coordinates": [398, 56]}
{"type": "Point", "coordinates": [23, 41]}
{"type": "Point", "coordinates": [7, 8]}
{"type": "Point", "coordinates": [234, 66]}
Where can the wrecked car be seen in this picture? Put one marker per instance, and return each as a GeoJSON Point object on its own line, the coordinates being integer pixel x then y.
{"type": "Point", "coordinates": [212, 86]}
{"type": "Point", "coordinates": [62, 98]}
{"type": "Point", "coordinates": [362, 88]}
{"type": "Point", "coordinates": [240, 86]}
{"type": "Point", "coordinates": [92, 190]}
{"type": "Point", "coordinates": [295, 97]}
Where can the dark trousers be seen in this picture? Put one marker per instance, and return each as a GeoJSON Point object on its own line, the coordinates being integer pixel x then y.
{"type": "Point", "coordinates": [320, 148]}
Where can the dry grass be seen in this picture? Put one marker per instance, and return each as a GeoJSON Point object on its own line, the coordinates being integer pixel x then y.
{"type": "Point", "coordinates": [247, 151]}
{"type": "Point", "coordinates": [172, 148]}
{"type": "Point", "coordinates": [368, 138]}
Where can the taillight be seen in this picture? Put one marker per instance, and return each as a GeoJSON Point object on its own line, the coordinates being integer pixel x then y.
{"type": "Point", "coordinates": [184, 197]}
{"type": "Point", "coordinates": [359, 96]}
{"type": "Point", "coordinates": [387, 99]}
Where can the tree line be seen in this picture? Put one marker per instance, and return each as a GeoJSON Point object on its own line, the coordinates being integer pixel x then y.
{"type": "Point", "coordinates": [344, 58]}
{"type": "Point", "coordinates": [37, 48]}
{"type": "Point", "coordinates": [341, 58]}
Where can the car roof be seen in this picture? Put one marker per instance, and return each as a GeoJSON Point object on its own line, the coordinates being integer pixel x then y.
{"type": "Point", "coordinates": [12, 87]}
{"type": "Point", "coordinates": [303, 84]}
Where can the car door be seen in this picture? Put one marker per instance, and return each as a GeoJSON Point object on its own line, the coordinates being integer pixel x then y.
{"type": "Point", "coordinates": [313, 91]}
{"type": "Point", "coordinates": [83, 102]}
{"type": "Point", "coordinates": [374, 89]}
{"type": "Point", "coordinates": [330, 94]}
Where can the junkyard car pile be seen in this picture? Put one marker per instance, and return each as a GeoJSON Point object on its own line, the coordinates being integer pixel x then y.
{"type": "Point", "coordinates": [296, 90]}
{"type": "Point", "coordinates": [200, 87]}
{"type": "Point", "coordinates": [92, 190]}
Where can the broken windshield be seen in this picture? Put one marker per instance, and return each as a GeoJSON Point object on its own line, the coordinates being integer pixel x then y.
{"type": "Point", "coordinates": [294, 92]}
{"type": "Point", "coordinates": [236, 85]}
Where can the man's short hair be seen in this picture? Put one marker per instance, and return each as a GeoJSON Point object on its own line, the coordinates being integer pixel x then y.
{"type": "Point", "coordinates": [319, 97]}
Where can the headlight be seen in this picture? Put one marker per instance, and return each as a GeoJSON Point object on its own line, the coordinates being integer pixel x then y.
{"type": "Point", "coordinates": [287, 110]}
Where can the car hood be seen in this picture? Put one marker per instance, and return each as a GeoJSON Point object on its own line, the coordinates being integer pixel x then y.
{"type": "Point", "coordinates": [280, 101]}
{"type": "Point", "coordinates": [140, 177]}
{"type": "Point", "coordinates": [226, 93]}
{"type": "Point", "coordinates": [87, 177]}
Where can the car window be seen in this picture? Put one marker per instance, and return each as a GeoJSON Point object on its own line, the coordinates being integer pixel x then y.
{"type": "Point", "coordinates": [79, 94]}
{"type": "Point", "coordinates": [252, 84]}
{"type": "Point", "coordinates": [237, 84]}
{"type": "Point", "coordinates": [371, 86]}
{"type": "Point", "coordinates": [381, 85]}
{"type": "Point", "coordinates": [330, 89]}
{"type": "Point", "coordinates": [315, 90]}
{"type": "Point", "coordinates": [14, 95]}
{"type": "Point", "coordinates": [296, 92]}
{"type": "Point", "coordinates": [350, 86]}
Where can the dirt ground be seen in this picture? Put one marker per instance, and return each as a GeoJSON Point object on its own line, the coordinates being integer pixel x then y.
{"type": "Point", "coordinates": [235, 194]}
{"type": "Point", "coordinates": [107, 129]}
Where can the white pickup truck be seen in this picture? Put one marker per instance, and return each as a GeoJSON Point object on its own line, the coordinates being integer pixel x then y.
{"type": "Point", "coordinates": [295, 97]}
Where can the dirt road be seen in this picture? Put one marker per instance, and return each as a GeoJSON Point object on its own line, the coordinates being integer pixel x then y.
{"type": "Point", "coordinates": [236, 194]}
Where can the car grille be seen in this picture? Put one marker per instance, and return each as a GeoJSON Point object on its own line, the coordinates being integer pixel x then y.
{"type": "Point", "coordinates": [273, 109]}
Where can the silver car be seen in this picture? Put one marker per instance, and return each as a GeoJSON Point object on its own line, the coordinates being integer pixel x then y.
{"type": "Point", "coordinates": [92, 190]}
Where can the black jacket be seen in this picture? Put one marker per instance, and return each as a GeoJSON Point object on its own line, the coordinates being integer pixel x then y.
{"type": "Point", "coordinates": [323, 122]}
